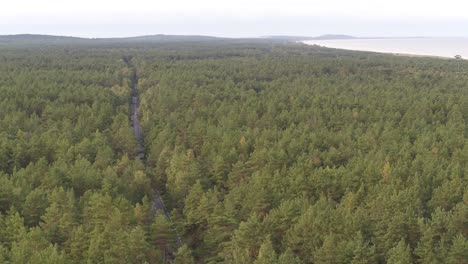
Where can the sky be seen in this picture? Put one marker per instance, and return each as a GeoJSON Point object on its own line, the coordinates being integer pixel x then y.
{"type": "Point", "coordinates": [235, 18]}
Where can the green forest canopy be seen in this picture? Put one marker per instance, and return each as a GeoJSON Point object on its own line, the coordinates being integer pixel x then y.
{"type": "Point", "coordinates": [266, 152]}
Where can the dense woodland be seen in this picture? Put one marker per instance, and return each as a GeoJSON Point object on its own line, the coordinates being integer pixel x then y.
{"type": "Point", "coordinates": [265, 152]}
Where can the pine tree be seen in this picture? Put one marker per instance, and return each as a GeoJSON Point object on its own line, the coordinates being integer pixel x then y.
{"type": "Point", "coordinates": [34, 207]}
{"type": "Point", "coordinates": [182, 173]}
{"type": "Point", "coordinates": [425, 251]}
{"type": "Point", "coordinates": [161, 235]}
{"type": "Point", "coordinates": [14, 228]}
{"type": "Point", "coordinates": [51, 224]}
{"type": "Point", "coordinates": [184, 256]}
{"type": "Point", "coordinates": [266, 254]}
{"type": "Point", "coordinates": [137, 246]}
{"type": "Point", "coordinates": [77, 245]}
{"type": "Point", "coordinates": [104, 157]}
{"type": "Point", "coordinates": [400, 254]}
{"type": "Point", "coordinates": [245, 243]}
{"type": "Point", "coordinates": [363, 252]}
{"type": "Point", "coordinates": [3, 254]}
{"type": "Point", "coordinates": [123, 138]}
{"type": "Point", "coordinates": [144, 212]}
{"type": "Point", "coordinates": [459, 251]}
{"type": "Point", "coordinates": [330, 252]}
{"type": "Point", "coordinates": [23, 250]}
{"type": "Point", "coordinates": [98, 245]}
{"type": "Point", "coordinates": [50, 255]}
{"type": "Point", "coordinates": [288, 257]}
{"type": "Point", "coordinates": [192, 203]}
{"type": "Point", "coordinates": [8, 193]}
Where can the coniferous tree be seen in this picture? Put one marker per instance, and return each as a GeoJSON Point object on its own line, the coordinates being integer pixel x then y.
{"type": "Point", "coordinates": [400, 254]}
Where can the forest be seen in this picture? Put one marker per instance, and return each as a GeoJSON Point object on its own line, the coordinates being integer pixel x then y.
{"type": "Point", "coordinates": [262, 151]}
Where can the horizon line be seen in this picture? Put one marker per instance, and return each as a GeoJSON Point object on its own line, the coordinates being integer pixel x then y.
{"type": "Point", "coordinates": [226, 37]}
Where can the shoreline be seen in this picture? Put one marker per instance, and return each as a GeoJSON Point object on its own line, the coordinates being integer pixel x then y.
{"type": "Point", "coordinates": [401, 54]}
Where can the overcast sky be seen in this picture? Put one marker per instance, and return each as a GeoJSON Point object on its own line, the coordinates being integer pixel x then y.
{"type": "Point", "coordinates": [235, 18]}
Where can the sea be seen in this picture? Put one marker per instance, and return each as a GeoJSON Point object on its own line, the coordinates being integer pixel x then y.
{"type": "Point", "coordinates": [438, 47]}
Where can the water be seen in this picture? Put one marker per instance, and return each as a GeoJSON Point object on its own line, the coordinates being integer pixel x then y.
{"type": "Point", "coordinates": [441, 47]}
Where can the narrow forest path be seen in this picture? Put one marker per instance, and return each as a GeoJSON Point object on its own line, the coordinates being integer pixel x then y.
{"type": "Point", "coordinates": [158, 204]}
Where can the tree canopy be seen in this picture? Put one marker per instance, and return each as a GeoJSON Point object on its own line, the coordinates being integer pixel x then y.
{"type": "Point", "coordinates": [265, 152]}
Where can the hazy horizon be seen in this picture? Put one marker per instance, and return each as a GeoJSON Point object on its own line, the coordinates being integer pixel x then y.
{"type": "Point", "coordinates": [242, 18]}
{"type": "Point", "coordinates": [440, 47]}
{"type": "Point", "coordinates": [241, 37]}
